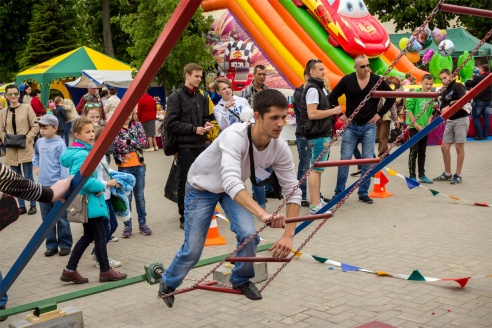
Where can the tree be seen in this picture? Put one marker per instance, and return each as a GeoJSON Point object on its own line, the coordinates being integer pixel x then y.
{"type": "Point", "coordinates": [410, 14]}
{"type": "Point", "coordinates": [52, 32]}
{"type": "Point", "coordinates": [108, 42]}
{"type": "Point", "coordinates": [145, 26]}
{"type": "Point", "coordinates": [14, 19]}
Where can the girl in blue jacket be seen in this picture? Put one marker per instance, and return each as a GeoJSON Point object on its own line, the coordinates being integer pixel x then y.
{"type": "Point", "coordinates": [97, 211]}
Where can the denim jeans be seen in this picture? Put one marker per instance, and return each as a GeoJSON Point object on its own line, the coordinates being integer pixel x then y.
{"type": "Point", "coordinates": [4, 299]}
{"type": "Point", "coordinates": [186, 157]}
{"type": "Point", "coordinates": [358, 155]}
{"type": "Point", "coordinates": [27, 169]}
{"type": "Point", "coordinates": [64, 240]}
{"type": "Point", "coordinates": [199, 208]}
{"type": "Point", "coordinates": [366, 135]}
{"type": "Point", "coordinates": [481, 108]}
{"type": "Point", "coordinates": [66, 133]}
{"type": "Point", "coordinates": [304, 152]}
{"type": "Point", "coordinates": [139, 173]}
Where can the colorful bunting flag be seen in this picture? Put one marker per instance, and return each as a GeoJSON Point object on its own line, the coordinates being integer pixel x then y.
{"type": "Point", "coordinates": [412, 184]}
{"type": "Point", "coordinates": [383, 180]}
{"type": "Point", "coordinates": [415, 276]}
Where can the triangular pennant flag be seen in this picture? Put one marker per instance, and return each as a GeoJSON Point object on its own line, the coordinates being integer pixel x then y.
{"type": "Point", "coordinates": [434, 193]}
{"type": "Point", "coordinates": [382, 273]}
{"type": "Point", "coordinates": [348, 267]}
{"type": "Point", "coordinates": [383, 179]}
{"type": "Point", "coordinates": [481, 204]}
{"type": "Point", "coordinates": [416, 275]}
{"type": "Point", "coordinates": [319, 259]}
{"type": "Point", "coordinates": [411, 183]}
{"type": "Point", "coordinates": [392, 172]}
{"type": "Point", "coordinates": [455, 198]}
{"type": "Point", "coordinates": [461, 281]}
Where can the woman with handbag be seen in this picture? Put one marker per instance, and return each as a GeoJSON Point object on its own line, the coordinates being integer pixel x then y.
{"type": "Point", "coordinates": [129, 143]}
{"type": "Point", "coordinates": [97, 211]}
{"type": "Point", "coordinates": [18, 129]}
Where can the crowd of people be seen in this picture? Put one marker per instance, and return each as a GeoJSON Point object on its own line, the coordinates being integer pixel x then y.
{"type": "Point", "coordinates": [248, 147]}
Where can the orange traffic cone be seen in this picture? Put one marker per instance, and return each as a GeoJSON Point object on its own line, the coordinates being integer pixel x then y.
{"type": "Point", "coordinates": [380, 181]}
{"type": "Point", "coordinates": [213, 236]}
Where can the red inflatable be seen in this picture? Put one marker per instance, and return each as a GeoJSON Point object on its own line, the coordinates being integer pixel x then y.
{"type": "Point", "coordinates": [350, 25]}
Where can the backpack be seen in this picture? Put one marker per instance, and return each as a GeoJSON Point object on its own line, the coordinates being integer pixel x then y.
{"type": "Point", "coordinates": [169, 141]}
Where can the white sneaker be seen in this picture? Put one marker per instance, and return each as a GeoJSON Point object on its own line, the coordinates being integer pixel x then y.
{"type": "Point", "coordinates": [149, 149]}
{"type": "Point", "coordinates": [112, 263]}
{"type": "Point", "coordinates": [113, 239]}
{"type": "Point", "coordinates": [314, 209]}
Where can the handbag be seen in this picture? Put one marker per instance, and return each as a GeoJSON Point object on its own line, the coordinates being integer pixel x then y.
{"type": "Point", "coordinates": [171, 188]}
{"type": "Point", "coordinates": [77, 211]}
{"type": "Point", "coordinates": [13, 140]}
{"type": "Point", "coordinates": [117, 202]}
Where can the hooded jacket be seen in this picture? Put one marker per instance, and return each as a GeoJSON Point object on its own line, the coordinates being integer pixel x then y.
{"type": "Point", "coordinates": [73, 158]}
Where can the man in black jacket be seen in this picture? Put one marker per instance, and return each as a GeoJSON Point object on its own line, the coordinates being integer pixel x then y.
{"type": "Point", "coordinates": [188, 119]}
{"type": "Point", "coordinates": [481, 104]}
{"type": "Point", "coordinates": [316, 125]}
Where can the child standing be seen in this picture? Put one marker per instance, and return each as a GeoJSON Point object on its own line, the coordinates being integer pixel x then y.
{"type": "Point", "coordinates": [128, 156]}
{"type": "Point", "coordinates": [97, 211]}
{"type": "Point", "coordinates": [414, 107]}
{"type": "Point", "coordinates": [61, 115]}
{"type": "Point", "coordinates": [47, 166]}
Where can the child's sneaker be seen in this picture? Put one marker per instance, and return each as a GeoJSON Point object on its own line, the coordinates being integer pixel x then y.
{"type": "Point", "coordinates": [145, 230]}
{"type": "Point", "coordinates": [112, 263]}
{"type": "Point", "coordinates": [456, 179]}
{"type": "Point", "coordinates": [127, 232]}
{"type": "Point", "coordinates": [443, 177]}
{"type": "Point", "coordinates": [314, 209]}
{"type": "Point", "coordinates": [424, 179]}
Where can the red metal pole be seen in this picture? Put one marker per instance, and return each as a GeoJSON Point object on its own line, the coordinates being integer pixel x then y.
{"type": "Point", "coordinates": [219, 289]}
{"type": "Point", "coordinates": [156, 57]}
{"type": "Point", "coordinates": [468, 97]}
{"type": "Point", "coordinates": [254, 259]}
{"type": "Point", "coordinates": [466, 10]}
{"type": "Point", "coordinates": [346, 162]}
{"type": "Point", "coordinates": [404, 94]}
{"type": "Point", "coordinates": [311, 217]}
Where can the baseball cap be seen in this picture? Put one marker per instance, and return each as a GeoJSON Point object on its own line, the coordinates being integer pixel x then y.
{"type": "Point", "coordinates": [48, 120]}
{"type": "Point", "coordinates": [92, 85]}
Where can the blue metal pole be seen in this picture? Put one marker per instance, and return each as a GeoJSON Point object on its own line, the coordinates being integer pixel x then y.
{"type": "Point", "coordinates": [412, 141]}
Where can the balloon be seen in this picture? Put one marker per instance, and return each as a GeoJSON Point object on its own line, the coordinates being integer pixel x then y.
{"type": "Point", "coordinates": [438, 35]}
{"type": "Point", "coordinates": [403, 43]}
{"type": "Point", "coordinates": [437, 64]}
{"type": "Point", "coordinates": [414, 46]}
{"type": "Point", "coordinates": [246, 114]}
{"type": "Point", "coordinates": [426, 58]}
{"type": "Point", "coordinates": [427, 43]}
{"type": "Point", "coordinates": [467, 71]}
{"type": "Point", "coordinates": [424, 35]}
{"type": "Point", "coordinates": [446, 47]}
{"type": "Point", "coordinates": [413, 57]}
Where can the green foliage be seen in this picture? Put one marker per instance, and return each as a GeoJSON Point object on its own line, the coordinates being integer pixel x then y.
{"type": "Point", "coordinates": [410, 14]}
{"type": "Point", "coordinates": [144, 27]}
{"type": "Point", "coordinates": [90, 13]}
{"type": "Point", "coordinates": [14, 19]}
{"type": "Point", "coordinates": [52, 32]}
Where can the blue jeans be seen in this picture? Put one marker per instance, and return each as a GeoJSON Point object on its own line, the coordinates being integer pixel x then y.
{"type": "Point", "coordinates": [139, 173]}
{"type": "Point", "coordinates": [481, 108]}
{"type": "Point", "coordinates": [66, 133]}
{"type": "Point", "coordinates": [199, 208]}
{"type": "Point", "coordinates": [366, 135]}
{"type": "Point", "coordinates": [64, 240]}
{"type": "Point", "coordinates": [304, 152]}
{"type": "Point", "coordinates": [27, 169]}
{"type": "Point", "coordinates": [3, 300]}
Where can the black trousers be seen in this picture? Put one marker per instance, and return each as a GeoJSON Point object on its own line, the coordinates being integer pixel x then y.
{"type": "Point", "coordinates": [186, 157]}
{"type": "Point", "coordinates": [417, 155]}
{"type": "Point", "coordinates": [93, 231]}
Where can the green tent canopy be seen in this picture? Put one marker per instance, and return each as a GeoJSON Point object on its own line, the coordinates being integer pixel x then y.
{"type": "Point", "coordinates": [463, 41]}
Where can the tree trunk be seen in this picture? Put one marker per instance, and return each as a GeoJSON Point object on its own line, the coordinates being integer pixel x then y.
{"type": "Point", "coordinates": [107, 39]}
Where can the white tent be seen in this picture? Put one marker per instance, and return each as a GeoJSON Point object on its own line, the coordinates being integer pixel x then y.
{"type": "Point", "coordinates": [117, 79]}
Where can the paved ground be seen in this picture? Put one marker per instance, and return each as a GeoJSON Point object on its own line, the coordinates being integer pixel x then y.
{"type": "Point", "coordinates": [411, 230]}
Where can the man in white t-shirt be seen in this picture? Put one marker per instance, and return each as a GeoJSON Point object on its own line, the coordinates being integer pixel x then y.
{"type": "Point", "coordinates": [316, 125]}
{"type": "Point", "coordinates": [218, 175]}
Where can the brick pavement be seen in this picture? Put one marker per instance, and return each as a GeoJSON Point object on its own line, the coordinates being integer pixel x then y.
{"type": "Point", "coordinates": [411, 230]}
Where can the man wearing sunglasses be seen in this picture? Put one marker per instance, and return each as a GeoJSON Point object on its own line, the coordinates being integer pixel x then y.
{"type": "Point", "coordinates": [218, 175]}
{"type": "Point", "coordinates": [91, 96]}
{"type": "Point", "coordinates": [356, 87]}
